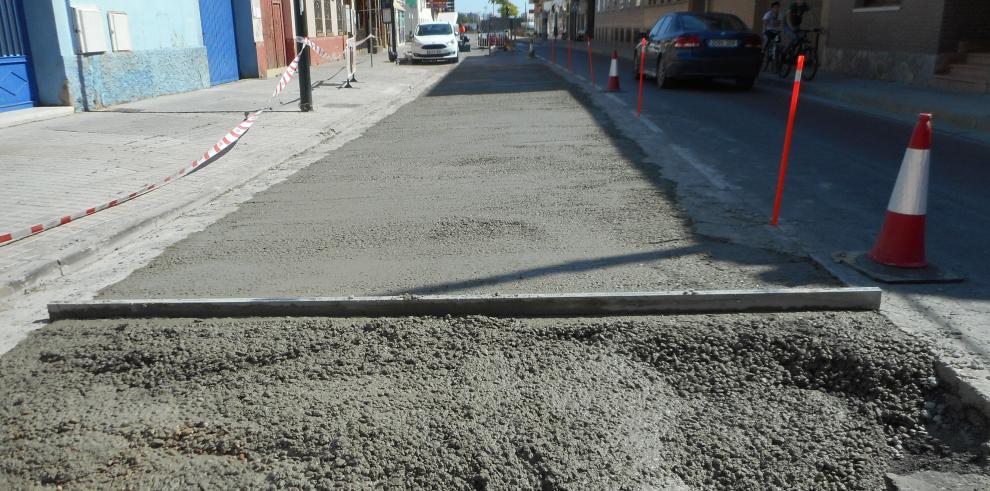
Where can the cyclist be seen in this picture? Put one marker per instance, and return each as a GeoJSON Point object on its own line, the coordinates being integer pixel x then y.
{"type": "Point", "coordinates": [795, 16]}
{"type": "Point", "coordinates": [772, 24]}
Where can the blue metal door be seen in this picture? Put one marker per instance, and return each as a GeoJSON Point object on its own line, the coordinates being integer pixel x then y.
{"type": "Point", "coordinates": [16, 80]}
{"type": "Point", "coordinates": [217, 17]}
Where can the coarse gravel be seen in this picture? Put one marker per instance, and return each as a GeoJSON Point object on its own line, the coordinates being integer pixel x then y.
{"type": "Point", "coordinates": [788, 401]}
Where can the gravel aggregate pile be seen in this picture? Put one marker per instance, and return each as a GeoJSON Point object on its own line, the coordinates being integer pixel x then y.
{"type": "Point", "coordinates": [790, 401]}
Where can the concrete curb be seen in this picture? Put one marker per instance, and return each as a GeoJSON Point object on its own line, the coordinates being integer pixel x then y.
{"type": "Point", "coordinates": [34, 114]}
{"type": "Point", "coordinates": [80, 255]}
{"type": "Point", "coordinates": [516, 305]}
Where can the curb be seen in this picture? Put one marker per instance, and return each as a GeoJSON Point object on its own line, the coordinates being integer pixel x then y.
{"type": "Point", "coordinates": [84, 254]}
{"type": "Point", "coordinates": [33, 115]}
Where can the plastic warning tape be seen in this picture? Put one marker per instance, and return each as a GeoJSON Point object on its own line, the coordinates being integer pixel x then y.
{"type": "Point", "coordinates": [208, 157]}
{"type": "Point", "coordinates": [312, 45]}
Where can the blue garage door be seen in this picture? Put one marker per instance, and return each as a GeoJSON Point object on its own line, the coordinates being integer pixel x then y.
{"type": "Point", "coordinates": [16, 82]}
{"type": "Point", "coordinates": [218, 35]}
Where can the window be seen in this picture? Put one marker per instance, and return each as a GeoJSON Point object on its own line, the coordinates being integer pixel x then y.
{"type": "Point", "coordinates": [323, 14]}
{"type": "Point", "coordinates": [711, 22]}
{"type": "Point", "coordinates": [434, 30]}
{"type": "Point", "coordinates": [318, 15]}
{"type": "Point", "coordinates": [877, 3]}
{"type": "Point", "coordinates": [342, 18]}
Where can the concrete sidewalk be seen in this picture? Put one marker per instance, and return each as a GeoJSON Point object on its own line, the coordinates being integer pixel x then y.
{"type": "Point", "coordinates": [58, 166]}
{"type": "Point", "coordinates": [960, 113]}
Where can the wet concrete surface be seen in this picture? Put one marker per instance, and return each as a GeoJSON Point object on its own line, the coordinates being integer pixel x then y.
{"type": "Point", "coordinates": [499, 179]}
{"type": "Point", "coordinates": [791, 401]}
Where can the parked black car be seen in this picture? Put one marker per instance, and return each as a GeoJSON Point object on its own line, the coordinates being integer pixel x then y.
{"type": "Point", "coordinates": [701, 46]}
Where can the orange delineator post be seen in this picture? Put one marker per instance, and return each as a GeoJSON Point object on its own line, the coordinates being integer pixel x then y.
{"type": "Point", "coordinates": [642, 68]}
{"type": "Point", "coordinates": [787, 141]}
{"type": "Point", "coordinates": [591, 67]}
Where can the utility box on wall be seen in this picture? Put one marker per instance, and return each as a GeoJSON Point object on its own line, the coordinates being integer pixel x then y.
{"type": "Point", "coordinates": [90, 30]}
{"type": "Point", "coordinates": [120, 31]}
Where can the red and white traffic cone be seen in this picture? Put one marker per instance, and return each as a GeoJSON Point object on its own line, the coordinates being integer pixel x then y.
{"type": "Point", "coordinates": [613, 74]}
{"type": "Point", "coordinates": [899, 253]}
{"type": "Point", "coordinates": [902, 238]}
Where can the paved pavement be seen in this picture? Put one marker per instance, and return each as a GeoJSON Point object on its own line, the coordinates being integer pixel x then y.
{"type": "Point", "coordinates": [843, 166]}
{"type": "Point", "coordinates": [57, 166]}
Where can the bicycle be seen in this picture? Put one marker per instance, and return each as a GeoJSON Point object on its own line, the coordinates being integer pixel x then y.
{"type": "Point", "coordinates": [772, 52]}
{"type": "Point", "coordinates": [802, 46]}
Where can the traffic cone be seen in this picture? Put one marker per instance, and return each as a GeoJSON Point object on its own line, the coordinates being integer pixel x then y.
{"type": "Point", "coordinates": [613, 74]}
{"type": "Point", "coordinates": [902, 238]}
{"type": "Point", "coordinates": [898, 256]}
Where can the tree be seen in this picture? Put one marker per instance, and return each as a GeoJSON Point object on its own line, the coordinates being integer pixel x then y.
{"type": "Point", "coordinates": [507, 8]}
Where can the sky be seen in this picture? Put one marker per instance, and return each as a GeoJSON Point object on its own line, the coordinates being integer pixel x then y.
{"type": "Point", "coordinates": [479, 6]}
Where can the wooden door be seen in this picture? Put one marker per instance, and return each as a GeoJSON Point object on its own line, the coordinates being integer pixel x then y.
{"type": "Point", "coordinates": [273, 27]}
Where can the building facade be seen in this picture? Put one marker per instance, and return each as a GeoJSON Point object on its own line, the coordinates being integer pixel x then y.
{"type": "Point", "coordinates": [89, 54]}
{"type": "Point", "coordinates": [945, 43]}
{"type": "Point", "coordinates": [101, 52]}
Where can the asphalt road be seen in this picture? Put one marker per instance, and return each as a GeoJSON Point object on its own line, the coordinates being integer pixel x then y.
{"type": "Point", "coordinates": [842, 169]}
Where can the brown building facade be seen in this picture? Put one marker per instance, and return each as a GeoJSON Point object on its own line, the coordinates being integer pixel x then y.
{"type": "Point", "coordinates": [920, 42]}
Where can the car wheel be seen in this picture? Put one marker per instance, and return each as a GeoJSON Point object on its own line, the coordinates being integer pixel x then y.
{"type": "Point", "coordinates": [663, 81]}
{"type": "Point", "coordinates": [745, 83]}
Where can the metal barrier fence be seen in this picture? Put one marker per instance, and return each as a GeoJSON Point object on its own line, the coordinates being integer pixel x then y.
{"type": "Point", "coordinates": [498, 40]}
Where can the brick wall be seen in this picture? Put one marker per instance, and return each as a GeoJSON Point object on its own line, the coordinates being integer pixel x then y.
{"type": "Point", "coordinates": [914, 28]}
{"type": "Point", "coordinates": [621, 25]}
{"type": "Point", "coordinates": [965, 20]}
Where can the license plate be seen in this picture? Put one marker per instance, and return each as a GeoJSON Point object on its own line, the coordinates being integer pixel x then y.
{"type": "Point", "coordinates": [723, 43]}
{"type": "Point", "coordinates": [434, 51]}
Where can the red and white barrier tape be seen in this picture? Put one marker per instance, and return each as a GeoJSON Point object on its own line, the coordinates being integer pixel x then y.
{"type": "Point", "coordinates": [208, 157]}
{"type": "Point", "coordinates": [312, 45]}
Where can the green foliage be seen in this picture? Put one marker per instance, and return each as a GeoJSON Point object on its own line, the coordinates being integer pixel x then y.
{"type": "Point", "coordinates": [506, 8]}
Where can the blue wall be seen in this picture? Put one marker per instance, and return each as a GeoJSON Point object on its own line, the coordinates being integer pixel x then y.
{"type": "Point", "coordinates": [168, 54]}
{"type": "Point", "coordinates": [247, 52]}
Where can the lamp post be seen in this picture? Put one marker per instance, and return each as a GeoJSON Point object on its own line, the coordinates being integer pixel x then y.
{"type": "Point", "coordinates": [305, 87]}
{"type": "Point", "coordinates": [388, 17]}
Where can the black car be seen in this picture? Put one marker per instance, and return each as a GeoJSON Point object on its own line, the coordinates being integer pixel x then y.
{"type": "Point", "coordinates": [701, 46]}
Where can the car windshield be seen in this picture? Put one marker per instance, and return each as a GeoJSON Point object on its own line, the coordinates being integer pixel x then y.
{"type": "Point", "coordinates": [433, 29]}
{"type": "Point", "coordinates": [712, 22]}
